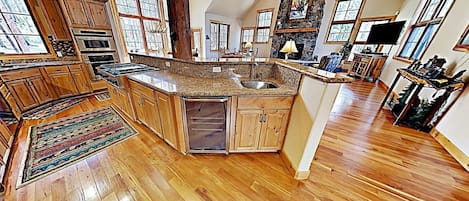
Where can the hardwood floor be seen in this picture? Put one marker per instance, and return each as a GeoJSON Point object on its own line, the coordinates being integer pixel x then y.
{"type": "Point", "coordinates": [361, 156]}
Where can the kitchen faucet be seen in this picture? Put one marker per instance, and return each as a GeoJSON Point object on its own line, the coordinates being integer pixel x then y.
{"type": "Point", "coordinates": [254, 74]}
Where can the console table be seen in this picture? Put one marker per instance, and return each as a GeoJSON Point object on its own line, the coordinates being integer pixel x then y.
{"type": "Point", "coordinates": [367, 66]}
{"type": "Point", "coordinates": [409, 101]}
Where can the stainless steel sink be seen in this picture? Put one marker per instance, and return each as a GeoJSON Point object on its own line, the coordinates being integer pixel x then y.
{"type": "Point", "coordinates": [252, 84]}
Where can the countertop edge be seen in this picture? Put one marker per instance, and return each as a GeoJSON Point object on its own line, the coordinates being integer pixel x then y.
{"type": "Point", "coordinates": [37, 65]}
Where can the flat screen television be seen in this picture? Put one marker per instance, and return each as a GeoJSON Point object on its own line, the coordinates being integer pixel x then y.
{"type": "Point", "coordinates": [387, 34]}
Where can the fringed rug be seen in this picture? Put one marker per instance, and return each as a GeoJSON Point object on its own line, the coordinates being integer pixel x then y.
{"type": "Point", "coordinates": [103, 96]}
{"type": "Point", "coordinates": [52, 108]}
{"type": "Point", "coordinates": [58, 144]}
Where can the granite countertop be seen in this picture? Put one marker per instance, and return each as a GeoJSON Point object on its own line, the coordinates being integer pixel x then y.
{"type": "Point", "coordinates": [181, 85]}
{"type": "Point", "coordinates": [308, 71]}
{"type": "Point", "coordinates": [18, 66]}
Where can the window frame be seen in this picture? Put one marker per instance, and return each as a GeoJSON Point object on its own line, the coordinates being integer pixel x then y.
{"type": "Point", "coordinates": [218, 36]}
{"type": "Point", "coordinates": [462, 47]}
{"type": "Point", "coordinates": [33, 12]}
{"type": "Point", "coordinates": [257, 27]}
{"type": "Point", "coordinates": [354, 22]}
{"type": "Point", "coordinates": [141, 19]}
{"type": "Point", "coordinates": [242, 35]}
{"type": "Point", "coordinates": [426, 24]}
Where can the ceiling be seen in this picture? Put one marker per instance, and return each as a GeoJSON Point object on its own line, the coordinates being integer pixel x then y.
{"type": "Point", "coordinates": [230, 8]}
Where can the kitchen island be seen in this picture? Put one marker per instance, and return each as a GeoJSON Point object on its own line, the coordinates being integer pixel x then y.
{"type": "Point", "coordinates": [289, 117]}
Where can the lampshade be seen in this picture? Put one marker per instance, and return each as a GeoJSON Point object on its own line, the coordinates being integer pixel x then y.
{"type": "Point", "coordinates": [248, 45]}
{"type": "Point", "coordinates": [289, 47]}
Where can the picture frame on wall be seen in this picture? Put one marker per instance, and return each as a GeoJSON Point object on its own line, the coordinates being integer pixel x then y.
{"type": "Point", "coordinates": [463, 42]}
{"type": "Point", "coordinates": [299, 9]}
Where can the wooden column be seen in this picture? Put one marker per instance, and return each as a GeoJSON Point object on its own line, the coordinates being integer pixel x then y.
{"type": "Point", "coordinates": [179, 24]}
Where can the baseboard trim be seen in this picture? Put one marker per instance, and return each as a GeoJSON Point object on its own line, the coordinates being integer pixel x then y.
{"type": "Point", "coordinates": [457, 154]}
{"type": "Point", "coordinates": [383, 85]}
{"type": "Point", "coordinates": [298, 175]}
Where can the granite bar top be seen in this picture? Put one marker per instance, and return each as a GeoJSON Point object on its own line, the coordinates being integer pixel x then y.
{"type": "Point", "coordinates": [181, 85]}
{"type": "Point", "coordinates": [18, 66]}
{"type": "Point", "coordinates": [305, 70]}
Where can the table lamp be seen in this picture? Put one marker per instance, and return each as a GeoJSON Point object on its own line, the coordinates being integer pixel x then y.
{"type": "Point", "coordinates": [288, 48]}
{"type": "Point", "coordinates": [248, 47]}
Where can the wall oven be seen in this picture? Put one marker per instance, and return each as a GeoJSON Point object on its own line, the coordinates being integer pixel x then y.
{"type": "Point", "coordinates": [94, 40]}
{"type": "Point", "coordinates": [207, 123]}
{"type": "Point", "coordinates": [95, 59]}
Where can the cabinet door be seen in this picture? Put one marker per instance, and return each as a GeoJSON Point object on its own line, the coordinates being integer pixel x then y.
{"type": "Point", "coordinates": [13, 105]}
{"type": "Point", "coordinates": [82, 82]}
{"type": "Point", "coordinates": [22, 94]}
{"type": "Point", "coordinates": [167, 119]}
{"type": "Point", "coordinates": [63, 84]}
{"type": "Point", "coordinates": [56, 19]}
{"type": "Point", "coordinates": [147, 113]}
{"type": "Point", "coordinates": [152, 116]}
{"type": "Point", "coordinates": [124, 103]}
{"type": "Point", "coordinates": [97, 14]}
{"type": "Point", "coordinates": [273, 129]}
{"type": "Point", "coordinates": [112, 94]}
{"type": "Point", "coordinates": [76, 12]}
{"type": "Point", "coordinates": [248, 128]}
{"type": "Point", "coordinates": [41, 89]}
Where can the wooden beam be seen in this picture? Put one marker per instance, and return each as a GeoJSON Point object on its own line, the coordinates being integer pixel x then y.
{"type": "Point", "coordinates": [179, 24]}
{"type": "Point", "coordinates": [297, 30]}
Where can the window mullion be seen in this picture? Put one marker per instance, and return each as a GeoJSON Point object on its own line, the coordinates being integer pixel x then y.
{"type": "Point", "coordinates": [417, 43]}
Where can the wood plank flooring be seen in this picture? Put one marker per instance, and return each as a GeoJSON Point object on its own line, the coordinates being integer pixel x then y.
{"type": "Point", "coordinates": [361, 156]}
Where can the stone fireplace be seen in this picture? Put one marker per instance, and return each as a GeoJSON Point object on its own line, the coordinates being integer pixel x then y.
{"type": "Point", "coordinates": [304, 32]}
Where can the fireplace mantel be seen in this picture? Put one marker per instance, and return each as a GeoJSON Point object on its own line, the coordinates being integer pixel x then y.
{"type": "Point", "coordinates": [296, 30]}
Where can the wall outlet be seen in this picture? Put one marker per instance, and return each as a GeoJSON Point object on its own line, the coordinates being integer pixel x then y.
{"type": "Point", "coordinates": [59, 54]}
{"type": "Point", "coordinates": [216, 69]}
{"type": "Point", "coordinates": [131, 57]}
{"type": "Point", "coordinates": [167, 63]}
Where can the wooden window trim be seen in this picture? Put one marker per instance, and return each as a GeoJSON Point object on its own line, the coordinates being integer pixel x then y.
{"type": "Point", "coordinates": [141, 18]}
{"type": "Point", "coordinates": [419, 23]}
{"type": "Point", "coordinates": [354, 29]}
{"type": "Point", "coordinates": [354, 35]}
{"type": "Point", "coordinates": [242, 35]}
{"type": "Point", "coordinates": [257, 27]}
{"type": "Point", "coordinates": [459, 46]}
{"type": "Point", "coordinates": [228, 35]}
{"type": "Point", "coordinates": [41, 28]}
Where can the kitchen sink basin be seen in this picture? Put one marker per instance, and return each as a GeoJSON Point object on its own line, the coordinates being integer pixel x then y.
{"type": "Point", "coordinates": [252, 84]}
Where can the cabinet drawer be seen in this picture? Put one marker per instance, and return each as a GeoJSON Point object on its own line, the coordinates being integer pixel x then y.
{"type": "Point", "coordinates": [265, 102]}
{"type": "Point", "coordinates": [20, 74]}
{"type": "Point", "coordinates": [76, 67]}
{"type": "Point", "coordinates": [146, 91]}
{"type": "Point", "coordinates": [56, 69]}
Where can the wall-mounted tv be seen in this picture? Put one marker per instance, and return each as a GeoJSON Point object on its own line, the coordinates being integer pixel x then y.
{"type": "Point", "coordinates": [385, 33]}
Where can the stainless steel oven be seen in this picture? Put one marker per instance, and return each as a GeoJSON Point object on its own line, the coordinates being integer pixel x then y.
{"type": "Point", "coordinates": [94, 40]}
{"type": "Point", "coordinates": [95, 59]}
{"type": "Point", "coordinates": [207, 121]}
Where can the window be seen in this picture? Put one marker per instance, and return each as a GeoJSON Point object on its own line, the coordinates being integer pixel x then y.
{"type": "Point", "coordinates": [18, 32]}
{"type": "Point", "coordinates": [264, 20]}
{"type": "Point", "coordinates": [345, 16]}
{"type": "Point", "coordinates": [247, 35]}
{"type": "Point", "coordinates": [140, 20]}
{"type": "Point", "coordinates": [219, 36]}
{"type": "Point", "coordinates": [422, 31]}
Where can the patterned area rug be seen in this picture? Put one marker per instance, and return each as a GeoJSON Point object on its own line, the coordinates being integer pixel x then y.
{"type": "Point", "coordinates": [52, 108]}
{"type": "Point", "coordinates": [55, 145]}
{"type": "Point", "coordinates": [103, 97]}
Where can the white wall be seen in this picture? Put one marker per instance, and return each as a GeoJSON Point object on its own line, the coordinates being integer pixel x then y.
{"type": "Point", "coordinates": [372, 8]}
{"type": "Point", "coordinates": [454, 124]}
{"type": "Point", "coordinates": [235, 32]}
{"type": "Point", "coordinates": [197, 15]}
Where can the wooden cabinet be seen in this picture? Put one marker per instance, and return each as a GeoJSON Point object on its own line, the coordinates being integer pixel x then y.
{"type": "Point", "coordinates": [6, 140]}
{"type": "Point", "coordinates": [120, 98]}
{"type": "Point", "coordinates": [97, 14]}
{"type": "Point", "coordinates": [61, 81]}
{"type": "Point", "coordinates": [81, 78]}
{"type": "Point", "coordinates": [146, 110]}
{"type": "Point", "coordinates": [55, 19]}
{"type": "Point", "coordinates": [87, 14]}
{"type": "Point", "coordinates": [261, 123]}
{"type": "Point", "coordinates": [40, 89]}
{"type": "Point", "coordinates": [248, 128]}
{"type": "Point", "coordinates": [23, 94]}
{"type": "Point", "coordinates": [167, 119]}
{"type": "Point", "coordinates": [367, 66]}
{"type": "Point", "coordinates": [13, 105]}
